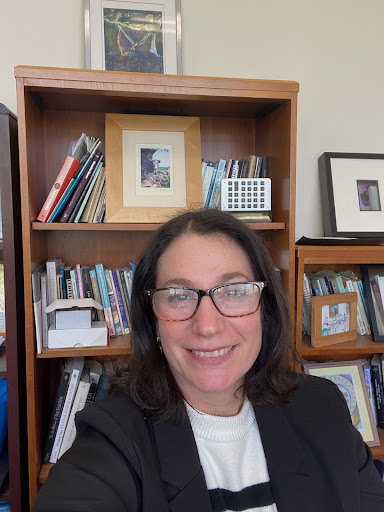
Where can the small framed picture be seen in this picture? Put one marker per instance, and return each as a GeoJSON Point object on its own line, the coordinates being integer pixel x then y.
{"type": "Point", "coordinates": [352, 194]}
{"type": "Point", "coordinates": [373, 283]}
{"type": "Point", "coordinates": [131, 35]}
{"type": "Point", "coordinates": [349, 377]}
{"type": "Point", "coordinates": [334, 319]}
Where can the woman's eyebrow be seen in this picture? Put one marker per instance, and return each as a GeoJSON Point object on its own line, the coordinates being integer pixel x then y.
{"type": "Point", "coordinates": [222, 279]}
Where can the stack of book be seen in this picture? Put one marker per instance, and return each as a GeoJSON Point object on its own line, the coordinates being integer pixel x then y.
{"type": "Point", "coordinates": [109, 287]}
{"type": "Point", "coordinates": [328, 282]}
{"type": "Point", "coordinates": [78, 193]}
{"type": "Point", "coordinates": [81, 382]}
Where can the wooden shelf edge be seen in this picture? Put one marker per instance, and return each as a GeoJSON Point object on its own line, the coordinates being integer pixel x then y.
{"type": "Point", "coordinates": [56, 226]}
{"type": "Point", "coordinates": [361, 345]}
{"type": "Point", "coordinates": [116, 348]}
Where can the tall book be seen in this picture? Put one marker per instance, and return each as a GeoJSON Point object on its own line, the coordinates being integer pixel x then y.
{"type": "Point", "coordinates": [44, 304]}
{"type": "Point", "coordinates": [120, 302]}
{"type": "Point", "coordinates": [113, 303]}
{"type": "Point", "coordinates": [105, 298]}
{"type": "Point", "coordinates": [56, 411]}
{"type": "Point", "coordinates": [80, 187]}
{"type": "Point", "coordinates": [377, 381]}
{"type": "Point", "coordinates": [84, 198]}
{"type": "Point", "coordinates": [96, 294]}
{"type": "Point", "coordinates": [90, 208]}
{"type": "Point", "coordinates": [78, 405]}
{"type": "Point", "coordinates": [76, 364]}
{"type": "Point", "coordinates": [53, 268]}
{"type": "Point", "coordinates": [70, 166]}
{"type": "Point", "coordinates": [371, 391]}
{"type": "Point", "coordinates": [36, 298]}
{"type": "Point", "coordinates": [217, 184]}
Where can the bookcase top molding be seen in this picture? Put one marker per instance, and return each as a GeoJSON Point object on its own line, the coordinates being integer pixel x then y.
{"type": "Point", "coordinates": [30, 73]}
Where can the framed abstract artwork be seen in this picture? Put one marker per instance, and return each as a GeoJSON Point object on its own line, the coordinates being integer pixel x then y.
{"type": "Point", "coordinates": [131, 35]}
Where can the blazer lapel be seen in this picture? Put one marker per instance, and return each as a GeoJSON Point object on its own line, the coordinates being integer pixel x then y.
{"type": "Point", "coordinates": [181, 471]}
{"type": "Point", "coordinates": [292, 487]}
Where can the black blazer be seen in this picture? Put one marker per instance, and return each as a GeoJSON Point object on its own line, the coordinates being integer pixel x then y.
{"type": "Point", "coordinates": [123, 461]}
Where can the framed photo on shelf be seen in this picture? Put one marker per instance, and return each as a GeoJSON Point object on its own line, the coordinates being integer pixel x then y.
{"type": "Point", "coordinates": [131, 35]}
{"type": "Point", "coordinates": [373, 284]}
{"type": "Point", "coordinates": [349, 377]}
{"type": "Point", "coordinates": [352, 194]}
{"type": "Point", "coordinates": [333, 319]}
{"type": "Point", "coordinates": [154, 167]}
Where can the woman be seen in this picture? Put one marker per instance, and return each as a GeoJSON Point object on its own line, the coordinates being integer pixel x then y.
{"type": "Point", "coordinates": [209, 415]}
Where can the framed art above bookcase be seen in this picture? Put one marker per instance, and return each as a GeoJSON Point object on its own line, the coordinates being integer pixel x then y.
{"type": "Point", "coordinates": [237, 118]}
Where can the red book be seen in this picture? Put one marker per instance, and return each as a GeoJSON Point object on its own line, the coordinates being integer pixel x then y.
{"type": "Point", "coordinates": [69, 168]}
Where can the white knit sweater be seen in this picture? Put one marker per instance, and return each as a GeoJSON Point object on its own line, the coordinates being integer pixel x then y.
{"type": "Point", "coordinates": [232, 456]}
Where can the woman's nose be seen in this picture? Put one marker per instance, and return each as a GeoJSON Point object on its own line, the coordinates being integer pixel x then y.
{"type": "Point", "coordinates": [207, 321]}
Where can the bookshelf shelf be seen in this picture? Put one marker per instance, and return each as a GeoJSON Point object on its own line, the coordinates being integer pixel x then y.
{"type": "Point", "coordinates": [237, 118]}
{"type": "Point", "coordinates": [38, 226]}
{"type": "Point", "coordinates": [117, 347]}
{"type": "Point", "coordinates": [338, 258]}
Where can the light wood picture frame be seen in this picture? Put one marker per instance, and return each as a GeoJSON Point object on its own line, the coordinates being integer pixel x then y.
{"type": "Point", "coordinates": [334, 319]}
{"type": "Point", "coordinates": [136, 193]}
{"type": "Point", "coordinates": [349, 378]}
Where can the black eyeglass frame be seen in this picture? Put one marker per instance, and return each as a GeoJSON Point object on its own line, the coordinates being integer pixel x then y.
{"type": "Point", "coordinates": [204, 293]}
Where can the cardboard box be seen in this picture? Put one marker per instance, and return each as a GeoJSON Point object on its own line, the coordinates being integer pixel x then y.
{"type": "Point", "coordinates": [96, 336]}
{"type": "Point", "coordinates": [73, 313]}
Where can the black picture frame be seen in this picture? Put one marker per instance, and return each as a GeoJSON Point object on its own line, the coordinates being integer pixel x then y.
{"type": "Point", "coordinates": [368, 273]}
{"type": "Point", "coordinates": [344, 212]}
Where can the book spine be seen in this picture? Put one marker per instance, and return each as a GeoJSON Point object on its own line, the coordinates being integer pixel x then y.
{"type": "Point", "coordinates": [73, 381]}
{"type": "Point", "coordinates": [87, 192]}
{"type": "Point", "coordinates": [125, 292]}
{"type": "Point", "coordinates": [87, 286]}
{"type": "Point", "coordinates": [89, 210]}
{"type": "Point", "coordinates": [120, 302]}
{"type": "Point", "coordinates": [68, 169]}
{"type": "Point", "coordinates": [235, 169]}
{"type": "Point", "coordinates": [79, 188]}
{"type": "Point", "coordinates": [79, 278]}
{"type": "Point", "coordinates": [104, 387]}
{"type": "Point", "coordinates": [55, 416]}
{"type": "Point", "coordinates": [78, 405]}
{"type": "Point", "coordinates": [91, 394]}
{"type": "Point", "coordinates": [44, 314]}
{"type": "Point", "coordinates": [207, 180]}
{"type": "Point", "coordinates": [51, 287]}
{"type": "Point", "coordinates": [75, 291]}
{"type": "Point", "coordinates": [96, 294]}
{"type": "Point", "coordinates": [368, 381]}
{"type": "Point", "coordinates": [105, 298]}
{"type": "Point", "coordinates": [113, 302]}
{"type": "Point", "coordinates": [216, 185]}
{"type": "Point", "coordinates": [379, 395]}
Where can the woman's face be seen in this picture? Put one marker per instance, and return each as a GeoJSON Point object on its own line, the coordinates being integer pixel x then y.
{"type": "Point", "coordinates": [204, 262]}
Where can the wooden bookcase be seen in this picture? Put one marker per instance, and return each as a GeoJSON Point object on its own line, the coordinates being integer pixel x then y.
{"type": "Point", "coordinates": [337, 258]}
{"type": "Point", "coordinates": [12, 356]}
{"type": "Point", "coordinates": [238, 118]}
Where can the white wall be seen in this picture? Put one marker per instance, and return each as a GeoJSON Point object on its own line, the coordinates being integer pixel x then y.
{"type": "Point", "coordinates": [332, 48]}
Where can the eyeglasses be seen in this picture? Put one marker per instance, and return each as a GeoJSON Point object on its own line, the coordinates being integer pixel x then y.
{"type": "Point", "coordinates": [232, 300]}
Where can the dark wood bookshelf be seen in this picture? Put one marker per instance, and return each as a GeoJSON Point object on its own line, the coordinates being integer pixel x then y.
{"type": "Point", "coordinates": [12, 355]}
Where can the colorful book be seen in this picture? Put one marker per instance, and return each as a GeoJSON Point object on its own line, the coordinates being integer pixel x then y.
{"type": "Point", "coordinates": [99, 267]}
{"type": "Point", "coordinates": [96, 294]}
{"type": "Point", "coordinates": [113, 303]}
{"type": "Point", "coordinates": [80, 187]}
{"type": "Point", "coordinates": [120, 302]}
{"type": "Point", "coordinates": [79, 207]}
{"type": "Point", "coordinates": [89, 210]}
{"type": "Point", "coordinates": [217, 184]}
{"type": "Point", "coordinates": [70, 166]}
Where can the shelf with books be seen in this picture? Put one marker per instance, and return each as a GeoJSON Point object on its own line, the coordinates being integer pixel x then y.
{"type": "Point", "coordinates": [312, 259]}
{"type": "Point", "coordinates": [237, 118]}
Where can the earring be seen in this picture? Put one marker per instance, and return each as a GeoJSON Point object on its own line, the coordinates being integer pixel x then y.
{"type": "Point", "coordinates": [158, 343]}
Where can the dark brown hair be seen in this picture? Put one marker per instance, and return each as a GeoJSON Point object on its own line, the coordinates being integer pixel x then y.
{"type": "Point", "coordinates": [148, 378]}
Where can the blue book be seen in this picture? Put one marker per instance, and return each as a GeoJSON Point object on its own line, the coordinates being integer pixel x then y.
{"type": "Point", "coordinates": [105, 298]}
{"type": "Point", "coordinates": [211, 185]}
{"type": "Point", "coordinates": [120, 302]}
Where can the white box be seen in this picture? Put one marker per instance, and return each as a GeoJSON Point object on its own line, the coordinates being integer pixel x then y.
{"type": "Point", "coordinates": [96, 336]}
{"type": "Point", "coordinates": [73, 319]}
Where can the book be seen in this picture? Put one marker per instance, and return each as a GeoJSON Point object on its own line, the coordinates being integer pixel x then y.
{"type": "Point", "coordinates": [228, 169]}
{"type": "Point", "coordinates": [78, 405]}
{"type": "Point", "coordinates": [104, 386]}
{"type": "Point", "coordinates": [120, 302]}
{"type": "Point", "coordinates": [87, 285]}
{"type": "Point", "coordinates": [377, 381]}
{"type": "Point", "coordinates": [100, 208]}
{"type": "Point", "coordinates": [2, 299]}
{"type": "Point", "coordinates": [96, 293]}
{"type": "Point", "coordinates": [36, 299]}
{"type": "Point", "coordinates": [70, 166]}
{"type": "Point", "coordinates": [80, 187]}
{"type": "Point", "coordinates": [79, 208]}
{"type": "Point", "coordinates": [89, 210]}
{"type": "Point", "coordinates": [79, 280]}
{"type": "Point", "coordinates": [235, 169]}
{"type": "Point", "coordinates": [307, 306]}
{"type": "Point", "coordinates": [105, 298]}
{"type": "Point", "coordinates": [85, 162]}
{"type": "Point", "coordinates": [264, 167]}
{"type": "Point", "coordinates": [53, 268]}
{"type": "Point", "coordinates": [217, 183]}
{"type": "Point", "coordinates": [95, 370]}
{"type": "Point", "coordinates": [44, 304]}
{"type": "Point", "coordinates": [75, 291]}
{"type": "Point", "coordinates": [259, 163]}
{"type": "Point", "coordinates": [251, 166]}
{"type": "Point", "coordinates": [65, 373]}
{"type": "Point", "coordinates": [211, 185]}
{"type": "Point", "coordinates": [367, 369]}
{"type": "Point", "coordinates": [113, 303]}
{"type": "Point", "coordinates": [120, 278]}
{"type": "Point", "coordinates": [75, 365]}
{"type": "Point", "coordinates": [207, 180]}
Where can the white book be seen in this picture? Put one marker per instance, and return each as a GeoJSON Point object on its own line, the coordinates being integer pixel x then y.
{"type": "Point", "coordinates": [53, 266]}
{"type": "Point", "coordinates": [75, 291]}
{"type": "Point", "coordinates": [78, 364]}
{"type": "Point", "coordinates": [36, 297]}
{"type": "Point", "coordinates": [78, 405]}
{"type": "Point", "coordinates": [207, 180]}
{"type": "Point", "coordinates": [44, 304]}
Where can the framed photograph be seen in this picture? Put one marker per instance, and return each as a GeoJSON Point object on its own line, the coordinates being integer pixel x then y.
{"type": "Point", "coordinates": [373, 285]}
{"type": "Point", "coordinates": [352, 194]}
{"type": "Point", "coordinates": [130, 35]}
{"type": "Point", "coordinates": [334, 319]}
{"type": "Point", "coordinates": [349, 377]}
{"type": "Point", "coordinates": [154, 167]}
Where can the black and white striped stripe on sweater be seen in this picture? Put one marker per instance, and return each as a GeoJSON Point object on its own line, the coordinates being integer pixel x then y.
{"type": "Point", "coordinates": [232, 456]}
